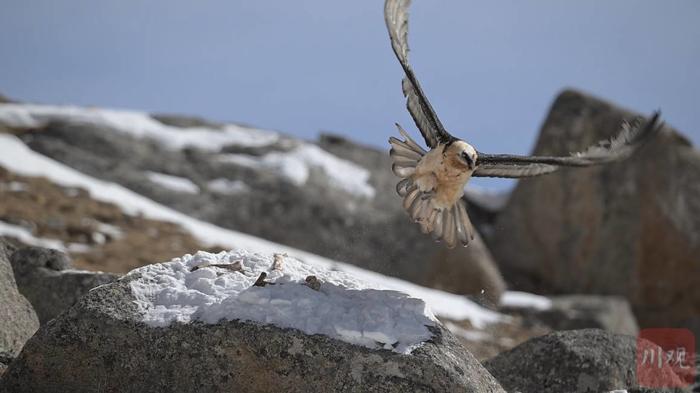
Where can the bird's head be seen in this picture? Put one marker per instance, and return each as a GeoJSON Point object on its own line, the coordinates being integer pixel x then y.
{"type": "Point", "coordinates": [463, 154]}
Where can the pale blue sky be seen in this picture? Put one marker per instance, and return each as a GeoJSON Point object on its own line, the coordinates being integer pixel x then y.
{"type": "Point", "coordinates": [491, 68]}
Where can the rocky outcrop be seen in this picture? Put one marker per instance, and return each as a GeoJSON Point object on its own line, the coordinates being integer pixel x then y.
{"type": "Point", "coordinates": [45, 278]}
{"type": "Point", "coordinates": [371, 232]}
{"type": "Point", "coordinates": [18, 321]}
{"type": "Point", "coordinates": [589, 360]}
{"type": "Point", "coordinates": [102, 344]}
{"type": "Point", "coordinates": [628, 228]}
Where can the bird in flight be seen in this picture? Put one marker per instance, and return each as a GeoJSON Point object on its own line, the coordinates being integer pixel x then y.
{"type": "Point", "coordinates": [432, 182]}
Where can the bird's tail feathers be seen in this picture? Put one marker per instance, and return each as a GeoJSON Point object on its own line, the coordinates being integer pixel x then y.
{"type": "Point", "coordinates": [451, 225]}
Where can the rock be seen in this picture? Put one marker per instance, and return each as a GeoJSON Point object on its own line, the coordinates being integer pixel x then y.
{"type": "Point", "coordinates": [628, 228]}
{"type": "Point", "coordinates": [19, 321]}
{"type": "Point", "coordinates": [610, 313]}
{"type": "Point", "coordinates": [102, 343]}
{"type": "Point", "coordinates": [44, 277]}
{"type": "Point", "coordinates": [588, 360]}
{"type": "Point", "coordinates": [571, 312]}
{"type": "Point", "coordinates": [6, 358]}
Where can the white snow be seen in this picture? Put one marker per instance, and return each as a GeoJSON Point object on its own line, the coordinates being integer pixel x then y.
{"type": "Point", "coordinates": [25, 236]}
{"type": "Point", "coordinates": [344, 307]}
{"type": "Point", "coordinates": [295, 166]}
{"type": "Point", "coordinates": [174, 183]}
{"type": "Point", "coordinates": [13, 186]}
{"type": "Point", "coordinates": [517, 299]}
{"type": "Point", "coordinates": [110, 230]}
{"type": "Point", "coordinates": [79, 248]}
{"type": "Point", "coordinates": [467, 334]}
{"type": "Point", "coordinates": [137, 124]}
{"type": "Point", "coordinates": [228, 187]}
{"type": "Point", "coordinates": [17, 157]}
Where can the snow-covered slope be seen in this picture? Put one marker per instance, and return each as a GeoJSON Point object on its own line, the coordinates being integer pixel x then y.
{"type": "Point", "coordinates": [293, 165]}
{"type": "Point", "coordinates": [15, 156]}
{"type": "Point", "coordinates": [202, 288]}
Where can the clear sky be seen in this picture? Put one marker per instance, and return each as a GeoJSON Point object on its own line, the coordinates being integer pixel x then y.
{"type": "Point", "coordinates": [491, 68]}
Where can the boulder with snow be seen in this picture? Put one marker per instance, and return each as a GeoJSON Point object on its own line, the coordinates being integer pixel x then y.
{"type": "Point", "coordinates": [245, 322]}
{"type": "Point", "coordinates": [588, 360]}
{"type": "Point", "coordinates": [18, 321]}
{"type": "Point", "coordinates": [45, 277]}
{"type": "Point", "coordinates": [628, 228]}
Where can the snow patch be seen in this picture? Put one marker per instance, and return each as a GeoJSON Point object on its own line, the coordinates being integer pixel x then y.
{"type": "Point", "coordinates": [228, 187]}
{"type": "Point", "coordinates": [467, 334]}
{"type": "Point", "coordinates": [137, 124]}
{"type": "Point", "coordinates": [13, 186]}
{"type": "Point", "coordinates": [25, 236]}
{"type": "Point", "coordinates": [517, 299]}
{"type": "Point", "coordinates": [344, 308]}
{"type": "Point", "coordinates": [17, 157]}
{"type": "Point", "coordinates": [174, 183]}
{"type": "Point", "coordinates": [295, 166]}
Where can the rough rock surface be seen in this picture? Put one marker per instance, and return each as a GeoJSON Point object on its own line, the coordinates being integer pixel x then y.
{"type": "Point", "coordinates": [18, 321]}
{"type": "Point", "coordinates": [5, 359]}
{"type": "Point", "coordinates": [570, 312]}
{"type": "Point", "coordinates": [100, 344]}
{"type": "Point", "coordinates": [373, 233]}
{"type": "Point", "coordinates": [629, 228]}
{"type": "Point", "coordinates": [589, 360]}
{"type": "Point", "coordinates": [45, 278]}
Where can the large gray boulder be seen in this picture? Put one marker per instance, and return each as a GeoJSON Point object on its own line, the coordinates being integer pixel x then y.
{"type": "Point", "coordinates": [18, 321]}
{"type": "Point", "coordinates": [102, 343]}
{"type": "Point", "coordinates": [44, 276]}
{"type": "Point", "coordinates": [589, 360]}
{"type": "Point", "coordinates": [628, 228]}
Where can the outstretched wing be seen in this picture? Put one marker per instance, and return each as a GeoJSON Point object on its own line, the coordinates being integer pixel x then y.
{"type": "Point", "coordinates": [396, 18]}
{"type": "Point", "coordinates": [629, 140]}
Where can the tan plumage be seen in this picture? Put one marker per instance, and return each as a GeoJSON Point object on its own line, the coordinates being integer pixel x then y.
{"type": "Point", "coordinates": [432, 182]}
{"type": "Point", "coordinates": [432, 186]}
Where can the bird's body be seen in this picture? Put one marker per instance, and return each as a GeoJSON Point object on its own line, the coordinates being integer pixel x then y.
{"type": "Point", "coordinates": [443, 171]}
{"type": "Point", "coordinates": [432, 182]}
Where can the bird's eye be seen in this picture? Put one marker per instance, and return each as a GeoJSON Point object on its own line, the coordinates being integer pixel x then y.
{"type": "Point", "coordinates": [468, 158]}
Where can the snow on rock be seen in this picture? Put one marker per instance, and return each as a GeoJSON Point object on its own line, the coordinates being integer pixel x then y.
{"type": "Point", "coordinates": [467, 334]}
{"type": "Point", "coordinates": [344, 307]}
{"type": "Point", "coordinates": [137, 124]}
{"type": "Point", "coordinates": [517, 299]}
{"type": "Point", "coordinates": [17, 157]}
{"type": "Point", "coordinates": [174, 183]}
{"type": "Point", "coordinates": [25, 236]}
{"type": "Point", "coordinates": [228, 187]}
{"type": "Point", "coordinates": [293, 165]}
